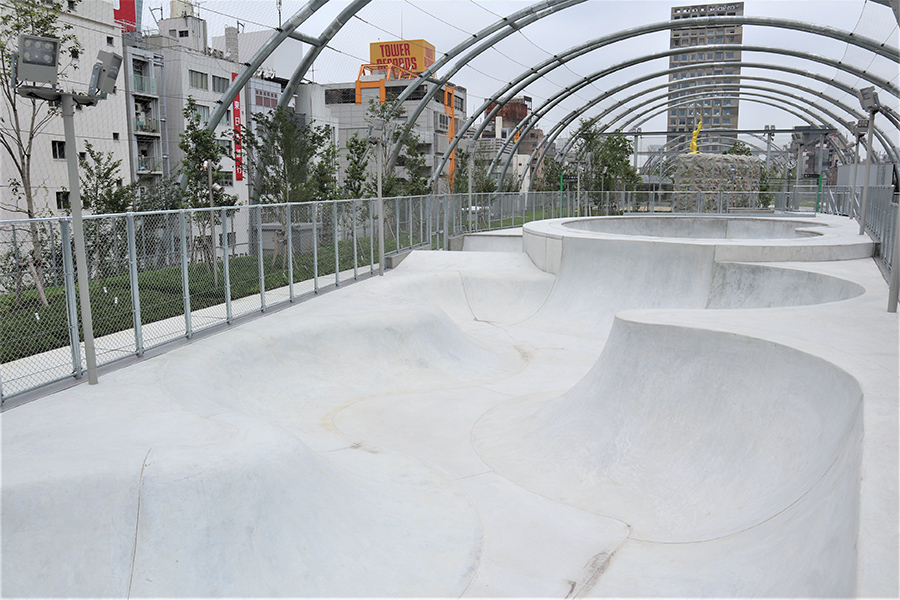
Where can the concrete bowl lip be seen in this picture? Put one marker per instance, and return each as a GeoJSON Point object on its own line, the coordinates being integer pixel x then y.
{"type": "Point", "coordinates": [826, 230]}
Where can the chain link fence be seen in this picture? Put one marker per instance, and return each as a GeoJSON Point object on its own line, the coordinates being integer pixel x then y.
{"type": "Point", "coordinates": [156, 277]}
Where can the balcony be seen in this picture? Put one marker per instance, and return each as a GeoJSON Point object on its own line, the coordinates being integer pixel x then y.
{"type": "Point", "coordinates": [149, 165]}
{"type": "Point", "coordinates": [146, 126]}
{"type": "Point", "coordinates": [143, 85]}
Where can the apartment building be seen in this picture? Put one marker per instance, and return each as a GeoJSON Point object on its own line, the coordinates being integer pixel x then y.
{"type": "Point", "coordinates": [719, 108]}
{"type": "Point", "coordinates": [104, 126]}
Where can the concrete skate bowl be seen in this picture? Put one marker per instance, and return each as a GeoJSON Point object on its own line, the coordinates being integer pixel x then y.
{"type": "Point", "coordinates": [599, 275]}
{"type": "Point", "coordinates": [728, 456]}
{"type": "Point", "coordinates": [702, 227]}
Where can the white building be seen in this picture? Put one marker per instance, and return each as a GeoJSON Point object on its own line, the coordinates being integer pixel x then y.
{"type": "Point", "coordinates": [105, 126]}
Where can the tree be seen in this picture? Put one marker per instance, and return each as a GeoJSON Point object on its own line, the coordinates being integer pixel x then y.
{"type": "Point", "coordinates": [99, 189]}
{"type": "Point", "coordinates": [409, 176]}
{"type": "Point", "coordinates": [739, 148]}
{"type": "Point", "coordinates": [357, 168]}
{"type": "Point", "coordinates": [201, 150]}
{"type": "Point", "coordinates": [415, 182]}
{"type": "Point", "coordinates": [290, 161]}
{"type": "Point", "coordinates": [21, 121]}
{"type": "Point", "coordinates": [482, 183]}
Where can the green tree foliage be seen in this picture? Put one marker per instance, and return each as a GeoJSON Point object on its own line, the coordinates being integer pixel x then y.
{"type": "Point", "coordinates": [164, 195]}
{"type": "Point", "coordinates": [409, 176]}
{"type": "Point", "coordinates": [357, 168]}
{"type": "Point", "coordinates": [601, 150]}
{"type": "Point", "coordinates": [289, 160]}
{"type": "Point", "coordinates": [21, 120]}
{"type": "Point", "coordinates": [739, 148]}
{"type": "Point", "coordinates": [99, 191]}
{"type": "Point", "coordinates": [201, 148]}
{"type": "Point", "coordinates": [550, 175]}
{"type": "Point", "coordinates": [481, 181]}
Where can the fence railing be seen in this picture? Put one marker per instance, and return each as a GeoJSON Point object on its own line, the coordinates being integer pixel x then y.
{"type": "Point", "coordinates": [881, 216]}
{"type": "Point", "coordinates": [142, 83]}
{"type": "Point", "coordinates": [157, 277]}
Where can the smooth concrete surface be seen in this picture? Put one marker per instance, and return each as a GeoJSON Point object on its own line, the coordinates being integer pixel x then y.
{"type": "Point", "coordinates": [601, 415]}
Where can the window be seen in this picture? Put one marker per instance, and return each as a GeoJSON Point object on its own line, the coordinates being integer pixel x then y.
{"type": "Point", "coordinates": [220, 84]}
{"type": "Point", "coordinates": [59, 149]}
{"type": "Point", "coordinates": [198, 80]}
{"type": "Point", "coordinates": [82, 156]}
{"type": "Point", "coordinates": [225, 178]}
{"type": "Point", "coordinates": [173, 33]}
{"type": "Point", "coordinates": [115, 136]}
{"type": "Point", "coordinates": [340, 96]}
{"type": "Point", "coordinates": [183, 33]}
{"type": "Point", "coordinates": [729, 55]}
{"type": "Point", "coordinates": [110, 41]}
{"type": "Point", "coordinates": [716, 121]}
{"type": "Point", "coordinates": [62, 200]}
{"type": "Point", "coordinates": [225, 145]}
{"type": "Point", "coordinates": [269, 99]}
{"type": "Point", "coordinates": [203, 111]}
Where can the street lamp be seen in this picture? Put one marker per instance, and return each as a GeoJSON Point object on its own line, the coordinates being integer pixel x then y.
{"type": "Point", "coordinates": [868, 99]}
{"type": "Point", "coordinates": [376, 137]}
{"type": "Point", "coordinates": [37, 61]}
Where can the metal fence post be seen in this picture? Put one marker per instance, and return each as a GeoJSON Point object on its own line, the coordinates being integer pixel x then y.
{"type": "Point", "coordinates": [259, 259]}
{"type": "Point", "coordinates": [226, 271]}
{"type": "Point", "coordinates": [315, 232]}
{"type": "Point", "coordinates": [429, 203]}
{"type": "Point", "coordinates": [288, 221]}
{"type": "Point", "coordinates": [71, 299]}
{"type": "Point", "coordinates": [397, 221]}
{"type": "Point", "coordinates": [135, 291]}
{"type": "Point", "coordinates": [446, 201]}
{"type": "Point", "coordinates": [185, 283]}
{"type": "Point", "coordinates": [721, 202]}
{"type": "Point", "coordinates": [337, 252]}
{"type": "Point", "coordinates": [372, 237]}
{"type": "Point", "coordinates": [355, 249]}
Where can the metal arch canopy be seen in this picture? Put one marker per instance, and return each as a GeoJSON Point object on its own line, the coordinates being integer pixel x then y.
{"type": "Point", "coordinates": [529, 122]}
{"type": "Point", "coordinates": [523, 80]}
{"type": "Point", "coordinates": [250, 68]}
{"type": "Point", "coordinates": [532, 119]}
{"type": "Point", "coordinates": [318, 44]}
{"type": "Point", "coordinates": [506, 27]}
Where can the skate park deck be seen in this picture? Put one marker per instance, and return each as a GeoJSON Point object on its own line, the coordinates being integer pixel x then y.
{"type": "Point", "coordinates": [653, 408]}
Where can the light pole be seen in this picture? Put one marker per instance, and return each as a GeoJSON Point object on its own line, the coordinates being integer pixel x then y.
{"type": "Point", "coordinates": [869, 101]}
{"type": "Point", "coordinates": [37, 61]}
{"type": "Point", "coordinates": [473, 146]}
{"type": "Point", "coordinates": [376, 137]}
{"type": "Point", "coordinates": [213, 187]}
{"type": "Point", "coordinates": [861, 125]}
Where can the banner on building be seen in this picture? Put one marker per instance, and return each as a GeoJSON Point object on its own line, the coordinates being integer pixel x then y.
{"type": "Point", "coordinates": [412, 55]}
{"type": "Point", "coordinates": [238, 150]}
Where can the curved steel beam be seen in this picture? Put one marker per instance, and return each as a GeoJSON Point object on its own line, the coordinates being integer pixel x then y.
{"type": "Point", "coordinates": [557, 129]}
{"type": "Point", "coordinates": [529, 122]}
{"type": "Point", "coordinates": [522, 81]}
{"type": "Point", "coordinates": [481, 41]}
{"type": "Point", "coordinates": [318, 45]}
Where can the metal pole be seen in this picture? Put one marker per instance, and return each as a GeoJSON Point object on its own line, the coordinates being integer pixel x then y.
{"type": "Point", "coordinates": [337, 255]}
{"type": "Point", "coordinates": [315, 231]}
{"type": "Point", "coordinates": [471, 178]}
{"type": "Point", "coordinates": [226, 272]}
{"type": "Point", "coordinates": [355, 250]}
{"type": "Point", "coordinates": [135, 291]}
{"type": "Point", "coordinates": [71, 306]}
{"type": "Point", "coordinates": [797, 172]}
{"type": "Point", "coordinates": [855, 172]}
{"type": "Point", "coordinates": [259, 259]}
{"type": "Point", "coordinates": [87, 322]}
{"type": "Point", "coordinates": [185, 283]}
{"type": "Point", "coordinates": [380, 204]}
{"type": "Point", "coordinates": [212, 226]}
{"type": "Point", "coordinates": [290, 250]}
{"type": "Point", "coordinates": [869, 157]}
{"type": "Point", "coordinates": [895, 264]}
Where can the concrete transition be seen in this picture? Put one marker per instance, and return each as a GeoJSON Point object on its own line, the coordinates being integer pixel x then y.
{"type": "Point", "coordinates": [634, 406]}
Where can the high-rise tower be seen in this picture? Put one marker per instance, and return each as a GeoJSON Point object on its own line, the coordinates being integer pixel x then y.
{"type": "Point", "coordinates": [716, 67]}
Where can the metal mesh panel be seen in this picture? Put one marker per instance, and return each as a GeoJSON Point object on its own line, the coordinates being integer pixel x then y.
{"type": "Point", "coordinates": [37, 315]}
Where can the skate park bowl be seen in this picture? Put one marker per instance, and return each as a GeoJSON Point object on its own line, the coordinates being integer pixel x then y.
{"type": "Point", "coordinates": [604, 414]}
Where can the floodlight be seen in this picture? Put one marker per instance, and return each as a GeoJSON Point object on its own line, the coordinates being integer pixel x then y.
{"type": "Point", "coordinates": [106, 70]}
{"type": "Point", "coordinates": [38, 59]}
{"type": "Point", "coordinates": [868, 98]}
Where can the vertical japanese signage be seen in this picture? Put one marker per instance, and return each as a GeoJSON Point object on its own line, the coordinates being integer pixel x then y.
{"type": "Point", "coordinates": [238, 150]}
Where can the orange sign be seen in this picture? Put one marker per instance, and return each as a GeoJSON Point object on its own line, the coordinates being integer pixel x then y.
{"type": "Point", "coordinates": [412, 55]}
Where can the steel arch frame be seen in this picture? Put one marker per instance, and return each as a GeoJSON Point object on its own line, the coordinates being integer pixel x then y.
{"type": "Point", "coordinates": [523, 80]}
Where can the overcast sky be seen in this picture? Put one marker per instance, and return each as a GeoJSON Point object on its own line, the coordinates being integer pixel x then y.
{"type": "Point", "coordinates": [445, 23]}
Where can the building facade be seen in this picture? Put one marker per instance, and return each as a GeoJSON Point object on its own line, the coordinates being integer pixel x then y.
{"type": "Point", "coordinates": [719, 109]}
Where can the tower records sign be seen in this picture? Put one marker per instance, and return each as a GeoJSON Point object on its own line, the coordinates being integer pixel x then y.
{"type": "Point", "coordinates": [412, 55]}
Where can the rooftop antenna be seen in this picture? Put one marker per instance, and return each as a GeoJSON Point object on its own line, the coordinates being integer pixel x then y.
{"type": "Point", "coordinates": [278, 5]}
{"type": "Point", "coordinates": [153, 10]}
